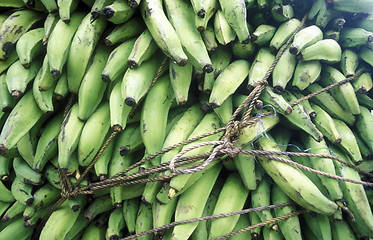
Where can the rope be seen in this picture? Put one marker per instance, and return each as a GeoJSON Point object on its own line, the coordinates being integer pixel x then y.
{"type": "Point", "coordinates": [221, 215]}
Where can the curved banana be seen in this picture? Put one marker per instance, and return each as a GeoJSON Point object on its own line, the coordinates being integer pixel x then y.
{"type": "Point", "coordinates": [118, 12]}
{"type": "Point", "coordinates": [29, 46]}
{"type": "Point", "coordinates": [6, 100]}
{"type": "Point", "coordinates": [283, 33]}
{"type": "Point", "coordinates": [66, 8]}
{"type": "Point", "coordinates": [59, 43]}
{"type": "Point", "coordinates": [304, 38]}
{"type": "Point", "coordinates": [61, 90]}
{"type": "Point", "coordinates": [366, 53]}
{"type": "Point", "coordinates": [349, 62]}
{"type": "Point", "coordinates": [17, 230]}
{"type": "Point", "coordinates": [282, 13]}
{"type": "Point", "coordinates": [102, 164]}
{"type": "Point", "coordinates": [49, 24]}
{"type": "Point", "coordinates": [208, 37]}
{"type": "Point", "coordinates": [327, 50]}
{"type": "Point", "coordinates": [326, 125]}
{"type": "Point", "coordinates": [4, 65]}
{"type": "Point", "coordinates": [283, 71]}
{"type": "Point", "coordinates": [144, 221]}
{"type": "Point", "coordinates": [260, 66]}
{"type": "Point", "coordinates": [223, 31]}
{"type": "Point", "coordinates": [306, 73]}
{"type": "Point", "coordinates": [119, 111]}
{"type": "Point", "coordinates": [22, 191]}
{"type": "Point", "coordinates": [342, 230]}
{"type": "Point", "coordinates": [263, 34]}
{"type": "Point", "coordinates": [319, 225]}
{"type": "Point", "coordinates": [363, 121]}
{"type": "Point", "coordinates": [115, 224]}
{"type": "Point", "coordinates": [123, 32]}
{"type": "Point", "coordinates": [92, 88]}
{"type": "Point", "coordinates": [96, 8]}
{"type": "Point", "coordinates": [354, 37]}
{"type": "Point", "coordinates": [143, 48]}
{"type": "Point", "coordinates": [13, 211]}
{"type": "Point", "coordinates": [181, 78]}
{"type": "Point", "coordinates": [130, 210]}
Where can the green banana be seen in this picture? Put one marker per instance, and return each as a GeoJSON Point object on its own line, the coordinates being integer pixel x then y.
{"type": "Point", "coordinates": [4, 65]}
{"type": "Point", "coordinates": [163, 212]}
{"type": "Point", "coordinates": [66, 8]}
{"type": "Point", "coordinates": [329, 104]}
{"type": "Point", "coordinates": [300, 118]}
{"type": "Point", "coordinates": [119, 111]}
{"type": "Point", "coordinates": [235, 13]}
{"type": "Point", "coordinates": [366, 53]}
{"type": "Point", "coordinates": [306, 73]}
{"type": "Point", "coordinates": [51, 174]}
{"type": "Point", "coordinates": [363, 121]}
{"type": "Point", "coordinates": [364, 100]}
{"type": "Point", "coordinates": [93, 232]}
{"type": "Point", "coordinates": [270, 96]}
{"type": "Point", "coordinates": [92, 88]}
{"type": "Point", "coordinates": [43, 197]}
{"type": "Point", "coordinates": [12, 3]}
{"type": "Point", "coordinates": [59, 223]}
{"type": "Point", "coordinates": [18, 23]}
{"type": "Point", "coordinates": [22, 191]}
{"type": "Point", "coordinates": [336, 23]}
{"type": "Point", "coordinates": [327, 50]}
{"type": "Point", "coordinates": [124, 32]}
{"type": "Point", "coordinates": [181, 78]}
{"type": "Point", "coordinates": [324, 122]}
{"type": "Point", "coordinates": [68, 138]}
{"type": "Point", "coordinates": [344, 94]}
{"type": "Point", "coordinates": [44, 99]}
{"type": "Point", "coordinates": [355, 196]}
{"type": "Point", "coordinates": [363, 83]}
{"type": "Point", "coordinates": [354, 37]}
{"type": "Point", "coordinates": [180, 15]}
{"type": "Point", "coordinates": [208, 37]}
{"type": "Point", "coordinates": [225, 111]}
{"type": "Point", "coordinates": [59, 43]}
{"type": "Point", "coordinates": [5, 163]}
{"type": "Point", "coordinates": [6, 100]}
{"type": "Point", "coordinates": [349, 62]}
{"type": "Point", "coordinates": [283, 33]}
{"type": "Point", "coordinates": [144, 221]}
{"type": "Point", "coordinates": [206, 11]}
{"type": "Point", "coordinates": [304, 38]}
{"type": "Point", "coordinates": [61, 90]}
{"type": "Point", "coordinates": [260, 66]}
{"type": "Point", "coordinates": [254, 219]}
{"type": "Point", "coordinates": [231, 198]}
{"type": "Point", "coordinates": [228, 81]}
{"type": "Point", "coordinates": [81, 49]}
{"type": "Point", "coordinates": [130, 210]}
{"type": "Point", "coordinates": [263, 34]}
{"type": "Point", "coordinates": [18, 77]}
{"type": "Point", "coordinates": [283, 71]}
{"type": "Point", "coordinates": [243, 50]}
{"type": "Point", "coordinates": [77, 229]}
{"type": "Point", "coordinates": [223, 32]}
{"type": "Point", "coordinates": [13, 211]}
{"type": "Point", "coordinates": [102, 164]}
{"type": "Point", "coordinates": [143, 48]}
{"type": "Point", "coordinates": [220, 60]}
{"type": "Point", "coordinates": [93, 134]}
{"type": "Point", "coordinates": [16, 230]}
{"type": "Point", "coordinates": [282, 13]}
{"type": "Point", "coordinates": [99, 205]}
{"type": "Point", "coordinates": [342, 230]}
{"type": "Point", "coordinates": [319, 225]}
{"type": "Point", "coordinates": [158, 102]}
{"type": "Point", "coordinates": [294, 183]}
{"type": "Point", "coordinates": [29, 46]}
{"type": "Point", "coordinates": [306, 104]}
{"type": "Point", "coordinates": [115, 66]}
{"type": "Point", "coordinates": [115, 224]}
{"type": "Point", "coordinates": [6, 194]}
{"type": "Point", "coordinates": [348, 143]}
{"type": "Point", "coordinates": [118, 12]}
{"type": "Point", "coordinates": [137, 81]}
{"type": "Point", "coordinates": [49, 24]}
{"type": "Point", "coordinates": [162, 31]}
{"type": "Point", "coordinates": [25, 172]}
{"type": "Point", "coordinates": [242, 222]}
{"type": "Point", "coordinates": [290, 228]}
{"type": "Point", "coordinates": [245, 165]}
{"type": "Point", "coordinates": [26, 113]}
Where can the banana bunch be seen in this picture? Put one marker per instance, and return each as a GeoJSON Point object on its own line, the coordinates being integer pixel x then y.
{"type": "Point", "coordinates": [156, 73]}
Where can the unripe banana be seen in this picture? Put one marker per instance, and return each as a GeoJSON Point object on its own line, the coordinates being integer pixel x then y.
{"type": "Point", "coordinates": [77, 229]}
{"type": "Point", "coordinates": [66, 8]}
{"type": "Point", "coordinates": [332, 34]}
{"type": "Point", "coordinates": [363, 83]}
{"type": "Point", "coordinates": [283, 71]}
{"type": "Point", "coordinates": [366, 53]}
{"type": "Point", "coordinates": [98, 5]}
{"type": "Point", "coordinates": [363, 123]}
{"type": "Point", "coordinates": [22, 191]}
{"type": "Point", "coordinates": [115, 224]}
{"type": "Point", "coordinates": [18, 77]}
{"type": "Point", "coordinates": [118, 12]}
{"type": "Point", "coordinates": [162, 31]}
{"type": "Point", "coordinates": [49, 24]}
{"type": "Point", "coordinates": [102, 164]}
{"type": "Point", "coordinates": [319, 225]}
{"type": "Point", "coordinates": [6, 100]}
{"type": "Point", "coordinates": [208, 37]}
{"type": "Point", "coordinates": [326, 125]}
{"type": "Point", "coordinates": [181, 78]}
{"type": "Point", "coordinates": [330, 105]}
{"type": "Point", "coordinates": [26, 114]}
{"type": "Point", "coordinates": [143, 49]}
{"type": "Point", "coordinates": [243, 50]}
{"type": "Point", "coordinates": [4, 65]}
{"type": "Point", "coordinates": [12, 3]}
{"type": "Point", "coordinates": [130, 209]}
{"type": "Point", "coordinates": [29, 46]}
{"type": "Point", "coordinates": [18, 23]}
{"type": "Point", "coordinates": [180, 15]}
{"type": "Point", "coordinates": [327, 50]}
{"type": "Point", "coordinates": [342, 230]}
{"type": "Point", "coordinates": [13, 211]}
{"type": "Point", "coordinates": [60, 41]}
{"type": "Point", "coordinates": [16, 230]}
{"type": "Point", "coordinates": [119, 111]}
{"type": "Point", "coordinates": [344, 93]}
{"type": "Point", "coordinates": [82, 46]}
{"type": "Point", "coordinates": [325, 15]}
{"type": "Point", "coordinates": [260, 66]}
{"type": "Point", "coordinates": [115, 66]}
{"type": "Point", "coordinates": [223, 32]}
{"type": "Point", "coordinates": [294, 183]}
{"type": "Point", "coordinates": [231, 198]}
{"type": "Point", "coordinates": [5, 164]}
{"type": "Point", "coordinates": [93, 134]}
{"type": "Point", "coordinates": [349, 62]}
{"type": "Point", "coordinates": [306, 73]}
{"type": "Point", "coordinates": [304, 38]}
{"type": "Point", "coordinates": [282, 13]}
{"type": "Point", "coordinates": [68, 138]}
{"type": "Point", "coordinates": [92, 88]}
{"type": "Point", "coordinates": [228, 81]}
{"type": "Point", "coordinates": [343, 5]}
{"type": "Point", "coordinates": [263, 34]}
{"type": "Point", "coordinates": [204, 9]}
{"type": "Point", "coordinates": [364, 100]}
{"type": "Point", "coordinates": [52, 176]}
{"type": "Point", "coordinates": [354, 37]}
{"type": "Point", "coordinates": [283, 33]}
{"type": "Point", "coordinates": [137, 81]}
{"type": "Point", "coordinates": [271, 97]}
{"type": "Point", "coordinates": [61, 90]}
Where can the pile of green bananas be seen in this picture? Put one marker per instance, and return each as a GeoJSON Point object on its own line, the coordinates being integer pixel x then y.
{"type": "Point", "coordinates": [158, 73]}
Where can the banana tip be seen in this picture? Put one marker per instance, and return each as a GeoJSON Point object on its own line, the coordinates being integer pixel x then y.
{"type": "Point", "coordinates": [208, 68]}
{"type": "Point", "coordinates": [133, 4]}
{"type": "Point", "coordinates": [16, 94]}
{"type": "Point", "coordinates": [182, 62]}
{"type": "Point", "coordinates": [75, 208]}
{"type": "Point", "coordinates": [294, 50]}
{"type": "Point", "coordinates": [130, 101]}
{"type": "Point", "coordinates": [29, 201]}
{"type": "Point", "coordinates": [133, 64]}
{"type": "Point", "coordinates": [108, 12]}
{"type": "Point", "coordinates": [201, 13]}
{"type": "Point", "coordinates": [105, 78]}
{"type": "Point", "coordinates": [278, 89]}
{"type": "Point", "coordinates": [3, 150]}
{"type": "Point", "coordinates": [114, 237]}
{"type": "Point", "coordinates": [55, 73]}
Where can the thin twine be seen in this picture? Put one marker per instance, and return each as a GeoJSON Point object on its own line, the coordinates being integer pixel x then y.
{"type": "Point", "coordinates": [221, 215]}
